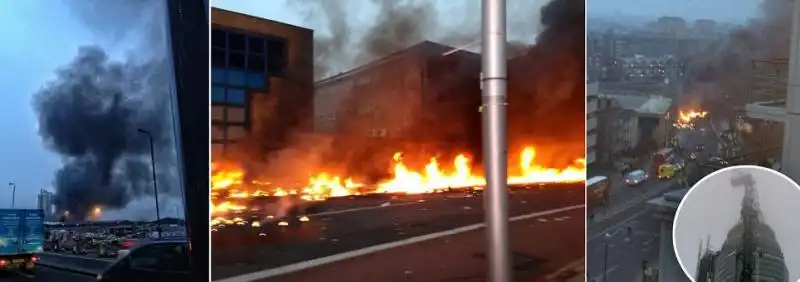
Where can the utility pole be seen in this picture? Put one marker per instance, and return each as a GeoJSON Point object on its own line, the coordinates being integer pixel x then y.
{"type": "Point", "coordinates": [495, 147]}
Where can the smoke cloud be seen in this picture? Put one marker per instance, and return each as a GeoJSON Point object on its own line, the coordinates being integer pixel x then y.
{"type": "Point", "coordinates": [343, 41]}
{"type": "Point", "coordinates": [723, 71]}
{"type": "Point", "coordinates": [90, 113]}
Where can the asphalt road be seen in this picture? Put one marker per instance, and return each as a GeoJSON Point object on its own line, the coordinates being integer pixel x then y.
{"type": "Point", "coordinates": [540, 246]}
{"type": "Point", "coordinates": [44, 274]}
{"type": "Point", "coordinates": [238, 250]}
{"type": "Point", "coordinates": [626, 252]}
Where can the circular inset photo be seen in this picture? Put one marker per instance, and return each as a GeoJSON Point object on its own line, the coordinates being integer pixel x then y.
{"type": "Point", "coordinates": [739, 223]}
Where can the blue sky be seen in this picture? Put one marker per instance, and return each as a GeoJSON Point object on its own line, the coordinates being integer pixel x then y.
{"type": "Point", "coordinates": [32, 48]}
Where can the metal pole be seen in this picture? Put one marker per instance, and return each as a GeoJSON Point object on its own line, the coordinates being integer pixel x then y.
{"type": "Point", "coordinates": [13, 193]}
{"type": "Point", "coordinates": [493, 86]}
{"type": "Point", "coordinates": [155, 181]}
{"type": "Point", "coordinates": [605, 262]}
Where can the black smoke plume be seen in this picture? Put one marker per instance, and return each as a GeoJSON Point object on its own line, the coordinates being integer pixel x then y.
{"type": "Point", "coordinates": [90, 113]}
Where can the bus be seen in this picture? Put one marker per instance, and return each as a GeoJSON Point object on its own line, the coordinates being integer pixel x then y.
{"type": "Point", "coordinates": [597, 189]}
{"type": "Point", "coordinates": [663, 156]}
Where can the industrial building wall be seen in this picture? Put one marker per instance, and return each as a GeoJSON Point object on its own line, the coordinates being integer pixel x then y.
{"type": "Point", "coordinates": [285, 104]}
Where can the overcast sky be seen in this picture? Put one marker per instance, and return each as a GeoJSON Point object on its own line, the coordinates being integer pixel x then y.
{"type": "Point", "coordinates": [32, 49]}
{"type": "Point", "coordinates": [719, 10]}
{"type": "Point", "coordinates": [712, 207]}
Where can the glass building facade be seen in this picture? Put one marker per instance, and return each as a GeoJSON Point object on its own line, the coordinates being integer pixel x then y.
{"type": "Point", "coordinates": [242, 63]}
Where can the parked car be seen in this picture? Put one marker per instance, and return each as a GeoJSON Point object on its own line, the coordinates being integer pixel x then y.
{"type": "Point", "coordinates": [636, 177]}
{"type": "Point", "coordinates": [151, 261]}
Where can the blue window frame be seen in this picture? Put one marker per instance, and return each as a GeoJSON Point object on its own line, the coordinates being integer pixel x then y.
{"type": "Point", "coordinates": [236, 78]}
{"type": "Point", "coordinates": [218, 75]}
{"type": "Point", "coordinates": [236, 96]}
{"type": "Point", "coordinates": [256, 80]}
{"type": "Point", "coordinates": [218, 94]}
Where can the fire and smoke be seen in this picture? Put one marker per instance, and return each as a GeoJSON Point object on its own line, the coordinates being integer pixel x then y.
{"type": "Point", "coordinates": [687, 118]}
{"type": "Point", "coordinates": [546, 106]}
{"type": "Point", "coordinates": [229, 187]}
{"type": "Point", "coordinates": [721, 75]}
{"type": "Point", "coordinates": [91, 111]}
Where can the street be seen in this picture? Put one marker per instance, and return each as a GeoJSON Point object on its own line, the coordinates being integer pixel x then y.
{"type": "Point", "coordinates": [45, 274]}
{"type": "Point", "coordinates": [237, 251]}
{"type": "Point", "coordinates": [625, 253]}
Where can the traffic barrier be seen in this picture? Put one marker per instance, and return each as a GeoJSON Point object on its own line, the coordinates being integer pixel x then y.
{"type": "Point", "coordinates": [73, 263]}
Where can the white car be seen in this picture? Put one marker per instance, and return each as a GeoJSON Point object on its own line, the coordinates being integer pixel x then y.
{"type": "Point", "coordinates": [636, 177]}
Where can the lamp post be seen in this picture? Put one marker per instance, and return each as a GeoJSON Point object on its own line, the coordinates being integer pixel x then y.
{"type": "Point", "coordinates": [13, 192]}
{"type": "Point", "coordinates": [155, 182]}
{"type": "Point", "coordinates": [495, 143]}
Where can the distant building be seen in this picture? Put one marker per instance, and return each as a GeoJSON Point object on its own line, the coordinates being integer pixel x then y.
{"type": "Point", "coordinates": [46, 201]}
{"type": "Point", "coordinates": [262, 79]}
{"type": "Point", "coordinates": [592, 97]}
{"type": "Point", "coordinates": [423, 93]}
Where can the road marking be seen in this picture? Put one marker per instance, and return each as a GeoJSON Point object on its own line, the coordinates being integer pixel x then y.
{"type": "Point", "coordinates": [574, 266]}
{"type": "Point", "coordinates": [600, 276]}
{"type": "Point", "coordinates": [369, 208]}
{"type": "Point", "coordinates": [269, 273]}
{"type": "Point", "coordinates": [27, 275]}
{"type": "Point", "coordinates": [618, 225]}
{"type": "Point", "coordinates": [73, 256]}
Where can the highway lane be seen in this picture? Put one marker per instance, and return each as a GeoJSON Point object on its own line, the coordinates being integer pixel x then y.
{"type": "Point", "coordinates": [237, 250]}
{"type": "Point", "coordinates": [45, 274]}
{"type": "Point", "coordinates": [541, 247]}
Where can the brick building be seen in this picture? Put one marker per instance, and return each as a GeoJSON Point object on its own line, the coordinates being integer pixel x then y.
{"type": "Point", "coordinates": [420, 95]}
{"type": "Point", "coordinates": [262, 80]}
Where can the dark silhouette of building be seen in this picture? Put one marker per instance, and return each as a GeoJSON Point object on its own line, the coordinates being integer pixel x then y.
{"type": "Point", "coordinates": [751, 251]}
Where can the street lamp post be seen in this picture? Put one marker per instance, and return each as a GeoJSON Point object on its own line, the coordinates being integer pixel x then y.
{"type": "Point", "coordinates": [493, 109]}
{"type": "Point", "coordinates": [605, 257]}
{"type": "Point", "coordinates": [13, 192]}
{"type": "Point", "coordinates": [155, 181]}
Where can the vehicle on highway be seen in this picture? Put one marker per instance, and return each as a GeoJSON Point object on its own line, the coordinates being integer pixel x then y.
{"type": "Point", "coordinates": [636, 177]}
{"type": "Point", "coordinates": [597, 189]}
{"type": "Point", "coordinates": [679, 164]}
{"type": "Point", "coordinates": [700, 148]}
{"type": "Point", "coordinates": [151, 261]}
{"type": "Point", "coordinates": [21, 237]}
{"type": "Point", "coordinates": [667, 171]}
{"type": "Point", "coordinates": [693, 156]}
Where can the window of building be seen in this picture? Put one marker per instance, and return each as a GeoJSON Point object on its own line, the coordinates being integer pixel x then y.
{"type": "Point", "coordinates": [236, 132]}
{"type": "Point", "coordinates": [276, 56]}
{"type": "Point", "coordinates": [217, 150]}
{"type": "Point", "coordinates": [217, 113]}
{"type": "Point", "coordinates": [217, 133]}
{"type": "Point", "coordinates": [235, 114]}
{"type": "Point", "coordinates": [236, 96]}
{"type": "Point", "coordinates": [218, 94]}
{"type": "Point", "coordinates": [255, 45]}
{"type": "Point", "coordinates": [236, 42]}
{"type": "Point", "coordinates": [218, 39]}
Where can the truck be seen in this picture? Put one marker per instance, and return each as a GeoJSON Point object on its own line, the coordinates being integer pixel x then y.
{"type": "Point", "coordinates": [21, 238]}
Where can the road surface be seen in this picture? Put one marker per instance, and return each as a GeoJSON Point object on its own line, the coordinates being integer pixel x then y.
{"type": "Point", "coordinates": [238, 251]}
{"type": "Point", "coordinates": [45, 274]}
{"type": "Point", "coordinates": [626, 252]}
